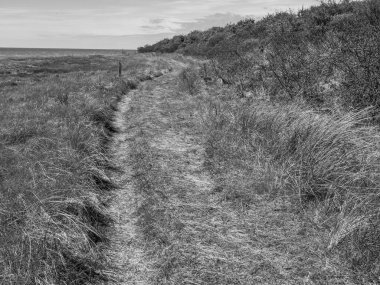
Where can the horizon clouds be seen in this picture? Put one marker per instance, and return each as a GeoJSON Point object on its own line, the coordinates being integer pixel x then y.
{"type": "Point", "coordinates": [121, 24]}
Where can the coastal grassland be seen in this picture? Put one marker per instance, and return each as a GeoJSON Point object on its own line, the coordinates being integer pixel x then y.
{"type": "Point", "coordinates": [326, 164]}
{"type": "Point", "coordinates": [301, 99]}
{"type": "Point", "coordinates": [210, 208]}
{"type": "Point", "coordinates": [55, 124]}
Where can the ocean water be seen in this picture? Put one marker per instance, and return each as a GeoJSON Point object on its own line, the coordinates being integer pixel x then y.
{"type": "Point", "coordinates": [47, 52]}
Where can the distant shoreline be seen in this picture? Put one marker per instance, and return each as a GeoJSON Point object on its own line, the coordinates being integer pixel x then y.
{"type": "Point", "coordinates": [10, 52]}
{"type": "Point", "coordinates": [34, 48]}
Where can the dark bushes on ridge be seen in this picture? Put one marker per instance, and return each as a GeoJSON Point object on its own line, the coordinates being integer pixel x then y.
{"type": "Point", "coordinates": [322, 55]}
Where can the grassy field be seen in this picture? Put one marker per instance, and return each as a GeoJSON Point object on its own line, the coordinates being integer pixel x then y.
{"type": "Point", "coordinates": [230, 190]}
{"type": "Point", "coordinates": [227, 183]}
{"type": "Point", "coordinates": [293, 110]}
{"type": "Point", "coordinates": [55, 125]}
{"type": "Point", "coordinates": [326, 166]}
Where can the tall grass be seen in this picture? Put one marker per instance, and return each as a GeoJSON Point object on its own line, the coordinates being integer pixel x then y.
{"type": "Point", "coordinates": [331, 161]}
{"type": "Point", "coordinates": [54, 167]}
{"type": "Point", "coordinates": [189, 80]}
{"type": "Point", "coordinates": [51, 160]}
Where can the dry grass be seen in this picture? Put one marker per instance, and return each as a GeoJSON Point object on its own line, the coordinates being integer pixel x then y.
{"type": "Point", "coordinates": [280, 194]}
{"type": "Point", "coordinates": [233, 229]}
{"type": "Point", "coordinates": [54, 165]}
{"type": "Point", "coordinates": [276, 196]}
{"type": "Point", "coordinates": [328, 164]}
{"type": "Point", "coordinates": [189, 80]}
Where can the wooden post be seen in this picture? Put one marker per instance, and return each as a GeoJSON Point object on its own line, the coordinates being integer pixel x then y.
{"type": "Point", "coordinates": [120, 69]}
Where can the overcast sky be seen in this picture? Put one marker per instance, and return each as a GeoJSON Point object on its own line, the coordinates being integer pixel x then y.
{"type": "Point", "coordinates": [117, 24]}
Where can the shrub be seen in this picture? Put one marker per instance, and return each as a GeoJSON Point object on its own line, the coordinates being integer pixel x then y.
{"type": "Point", "coordinates": [354, 40]}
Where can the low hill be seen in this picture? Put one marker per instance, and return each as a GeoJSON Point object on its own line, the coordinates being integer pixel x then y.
{"type": "Point", "coordinates": [322, 55]}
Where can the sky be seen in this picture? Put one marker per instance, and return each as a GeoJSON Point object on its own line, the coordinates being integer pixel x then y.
{"type": "Point", "coordinates": [121, 24]}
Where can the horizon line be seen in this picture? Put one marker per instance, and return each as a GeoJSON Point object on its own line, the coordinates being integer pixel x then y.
{"type": "Point", "coordinates": [128, 49]}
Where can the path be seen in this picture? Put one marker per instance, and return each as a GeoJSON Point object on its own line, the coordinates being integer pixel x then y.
{"type": "Point", "coordinates": [173, 227]}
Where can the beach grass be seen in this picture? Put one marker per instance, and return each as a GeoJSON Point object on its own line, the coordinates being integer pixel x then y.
{"type": "Point", "coordinates": [55, 126]}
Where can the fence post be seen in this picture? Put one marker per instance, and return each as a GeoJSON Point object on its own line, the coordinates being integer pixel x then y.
{"type": "Point", "coordinates": [120, 69]}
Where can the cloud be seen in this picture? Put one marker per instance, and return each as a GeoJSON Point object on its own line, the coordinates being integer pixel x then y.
{"type": "Point", "coordinates": [178, 26]}
{"type": "Point", "coordinates": [153, 27]}
{"type": "Point", "coordinates": [215, 20]}
{"type": "Point", "coordinates": [156, 21]}
{"type": "Point", "coordinates": [22, 20]}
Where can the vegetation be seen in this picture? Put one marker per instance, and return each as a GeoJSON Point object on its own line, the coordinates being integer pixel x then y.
{"type": "Point", "coordinates": [320, 55]}
{"type": "Point", "coordinates": [287, 108]}
{"type": "Point", "coordinates": [55, 125]}
{"type": "Point", "coordinates": [210, 204]}
{"type": "Point", "coordinates": [327, 164]}
{"type": "Point", "coordinates": [298, 92]}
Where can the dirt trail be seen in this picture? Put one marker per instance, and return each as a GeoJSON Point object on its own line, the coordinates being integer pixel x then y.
{"type": "Point", "coordinates": [127, 254]}
{"type": "Point", "coordinates": [127, 251]}
{"type": "Point", "coordinates": [173, 227]}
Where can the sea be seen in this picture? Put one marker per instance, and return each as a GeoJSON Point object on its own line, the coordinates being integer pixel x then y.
{"type": "Point", "coordinates": [56, 52]}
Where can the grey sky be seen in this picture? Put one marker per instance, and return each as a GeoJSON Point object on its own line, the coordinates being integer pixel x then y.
{"type": "Point", "coordinates": [121, 23]}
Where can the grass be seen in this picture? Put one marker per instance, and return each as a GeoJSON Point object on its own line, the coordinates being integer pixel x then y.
{"type": "Point", "coordinates": [326, 163]}
{"type": "Point", "coordinates": [293, 196]}
{"type": "Point", "coordinates": [189, 80]}
{"type": "Point", "coordinates": [304, 141]}
{"type": "Point", "coordinates": [216, 215]}
{"type": "Point", "coordinates": [54, 166]}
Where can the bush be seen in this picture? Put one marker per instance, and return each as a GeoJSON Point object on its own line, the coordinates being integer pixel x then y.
{"type": "Point", "coordinates": [355, 45]}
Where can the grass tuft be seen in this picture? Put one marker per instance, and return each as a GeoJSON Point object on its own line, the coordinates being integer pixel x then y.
{"type": "Point", "coordinates": [189, 80]}
{"type": "Point", "coordinates": [331, 161]}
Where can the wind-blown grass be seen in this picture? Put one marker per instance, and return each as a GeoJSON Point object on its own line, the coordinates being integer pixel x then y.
{"type": "Point", "coordinates": [331, 161]}
{"type": "Point", "coordinates": [54, 166]}
{"type": "Point", "coordinates": [51, 159]}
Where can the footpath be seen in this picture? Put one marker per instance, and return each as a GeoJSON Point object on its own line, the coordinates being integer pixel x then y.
{"type": "Point", "coordinates": [173, 227]}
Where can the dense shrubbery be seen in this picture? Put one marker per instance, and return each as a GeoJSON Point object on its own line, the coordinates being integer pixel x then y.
{"type": "Point", "coordinates": [320, 55]}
